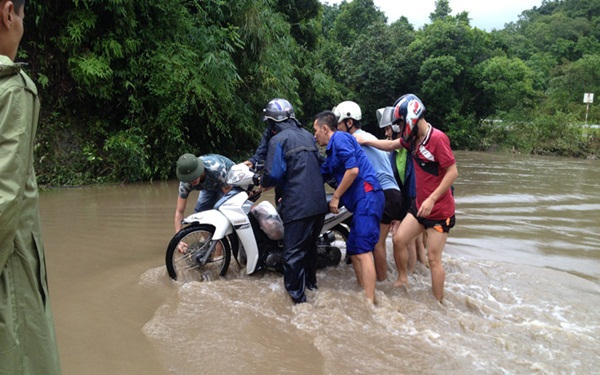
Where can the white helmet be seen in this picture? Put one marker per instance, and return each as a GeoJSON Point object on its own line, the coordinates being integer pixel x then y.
{"type": "Point", "coordinates": [346, 110]}
{"type": "Point", "coordinates": [384, 117]}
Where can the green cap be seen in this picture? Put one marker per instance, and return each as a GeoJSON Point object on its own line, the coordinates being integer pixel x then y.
{"type": "Point", "coordinates": [189, 168]}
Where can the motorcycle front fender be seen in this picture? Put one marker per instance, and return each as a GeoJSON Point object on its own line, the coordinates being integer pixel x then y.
{"type": "Point", "coordinates": [215, 218]}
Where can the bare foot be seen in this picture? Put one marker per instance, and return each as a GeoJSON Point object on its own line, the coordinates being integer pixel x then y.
{"type": "Point", "coordinates": [401, 282]}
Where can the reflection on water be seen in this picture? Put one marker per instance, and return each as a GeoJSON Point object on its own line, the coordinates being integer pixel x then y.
{"type": "Point", "coordinates": [537, 211]}
{"type": "Point", "coordinates": [522, 288]}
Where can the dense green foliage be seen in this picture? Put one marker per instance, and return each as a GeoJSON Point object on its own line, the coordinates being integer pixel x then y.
{"type": "Point", "coordinates": [129, 85]}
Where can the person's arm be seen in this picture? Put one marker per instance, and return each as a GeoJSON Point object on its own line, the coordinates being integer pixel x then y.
{"type": "Point", "coordinates": [261, 150]}
{"type": "Point", "coordinates": [447, 181]}
{"type": "Point", "coordinates": [347, 180]}
{"type": "Point", "coordinates": [275, 165]}
{"type": "Point", "coordinates": [179, 210]}
{"type": "Point", "coordinates": [381, 144]}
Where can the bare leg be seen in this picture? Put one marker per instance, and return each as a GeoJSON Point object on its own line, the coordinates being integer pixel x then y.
{"type": "Point", "coordinates": [421, 250]}
{"type": "Point", "coordinates": [401, 258]}
{"type": "Point", "coordinates": [412, 255]}
{"type": "Point", "coordinates": [408, 229]}
{"type": "Point", "coordinates": [394, 225]}
{"type": "Point", "coordinates": [367, 274]}
{"type": "Point", "coordinates": [435, 245]}
{"type": "Point", "coordinates": [380, 253]}
{"type": "Point", "coordinates": [357, 271]}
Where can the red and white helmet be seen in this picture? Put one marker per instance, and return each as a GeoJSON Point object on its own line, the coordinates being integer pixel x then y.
{"type": "Point", "coordinates": [408, 110]}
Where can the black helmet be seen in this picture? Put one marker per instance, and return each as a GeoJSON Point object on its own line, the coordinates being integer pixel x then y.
{"type": "Point", "coordinates": [278, 110]}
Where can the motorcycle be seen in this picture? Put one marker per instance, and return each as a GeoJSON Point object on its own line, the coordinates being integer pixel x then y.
{"type": "Point", "coordinates": [251, 233]}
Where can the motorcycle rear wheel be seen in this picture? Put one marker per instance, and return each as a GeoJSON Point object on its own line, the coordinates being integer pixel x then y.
{"type": "Point", "coordinates": [341, 238]}
{"type": "Point", "coordinates": [185, 267]}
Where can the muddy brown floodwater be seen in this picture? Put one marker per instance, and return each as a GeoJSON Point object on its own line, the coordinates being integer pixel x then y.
{"type": "Point", "coordinates": [521, 295]}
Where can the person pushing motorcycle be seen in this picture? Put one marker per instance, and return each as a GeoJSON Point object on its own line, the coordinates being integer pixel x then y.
{"type": "Point", "coordinates": [292, 164]}
{"type": "Point", "coordinates": [207, 173]}
{"type": "Point", "coordinates": [358, 189]}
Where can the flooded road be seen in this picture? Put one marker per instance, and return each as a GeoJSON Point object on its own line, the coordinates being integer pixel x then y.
{"type": "Point", "coordinates": [521, 294]}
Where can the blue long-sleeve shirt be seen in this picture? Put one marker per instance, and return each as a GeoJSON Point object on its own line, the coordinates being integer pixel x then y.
{"type": "Point", "coordinates": [343, 153]}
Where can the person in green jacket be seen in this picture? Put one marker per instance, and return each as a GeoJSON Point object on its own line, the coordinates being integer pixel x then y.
{"type": "Point", "coordinates": [27, 337]}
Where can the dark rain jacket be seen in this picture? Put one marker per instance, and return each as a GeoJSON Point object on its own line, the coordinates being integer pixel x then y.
{"type": "Point", "coordinates": [27, 337]}
{"type": "Point", "coordinates": [293, 164]}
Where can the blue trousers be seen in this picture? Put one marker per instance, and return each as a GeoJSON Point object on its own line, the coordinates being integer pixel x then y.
{"type": "Point", "coordinates": [207, 200]}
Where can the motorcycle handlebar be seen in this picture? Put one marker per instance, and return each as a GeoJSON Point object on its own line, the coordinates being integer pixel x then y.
{"type": "Point", "coordinates": [256, 179]}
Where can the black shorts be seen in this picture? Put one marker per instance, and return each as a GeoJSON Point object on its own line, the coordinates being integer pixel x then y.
{"type": "Point", "coordinates": [393, 206]}
{"type": "Point", "coordinates": [441, 225]}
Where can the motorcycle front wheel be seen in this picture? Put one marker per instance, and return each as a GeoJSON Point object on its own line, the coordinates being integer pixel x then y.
{"type": "Point", "coordinates": [188, 246]}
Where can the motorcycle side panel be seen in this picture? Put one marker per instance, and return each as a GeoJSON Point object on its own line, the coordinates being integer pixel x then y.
{"type": "Point", "coordinates": [331, 219]}
{"type": "Point", "coordinates": [248, 241]}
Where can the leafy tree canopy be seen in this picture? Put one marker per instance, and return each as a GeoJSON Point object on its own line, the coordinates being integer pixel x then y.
{"type": "Point", "coordinates": [129, 85]}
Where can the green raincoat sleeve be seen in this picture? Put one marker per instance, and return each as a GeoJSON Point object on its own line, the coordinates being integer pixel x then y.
{"type": "Point", "coordinates": [27, 337]}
